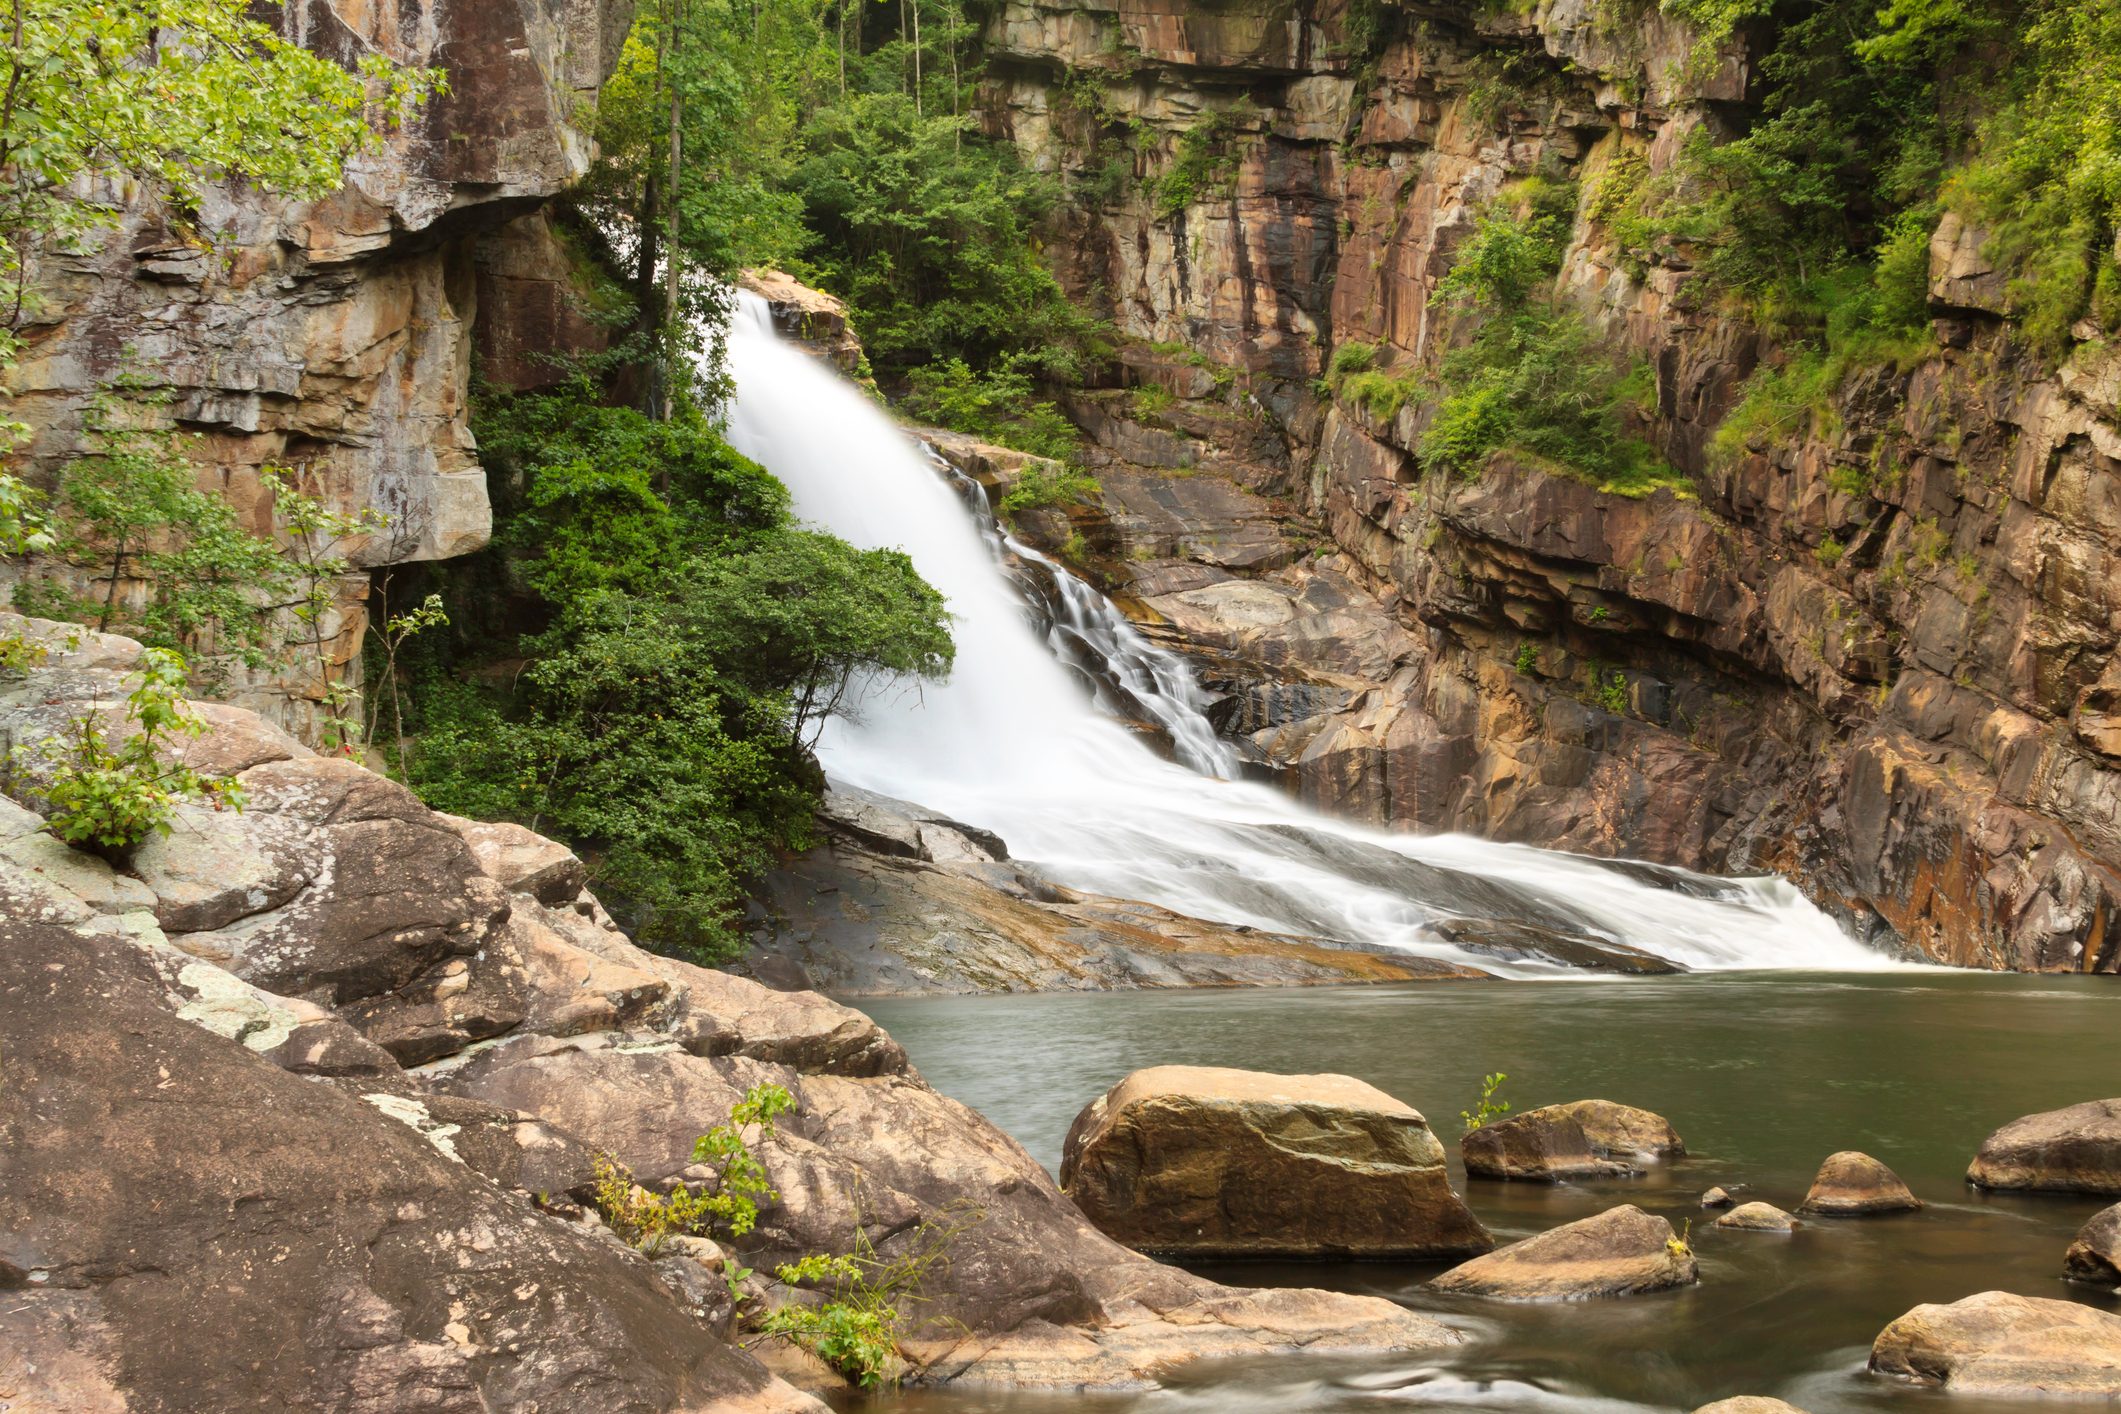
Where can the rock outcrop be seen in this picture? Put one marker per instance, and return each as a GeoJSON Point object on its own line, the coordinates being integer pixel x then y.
{"type": "Point", "coordinates": [1582, 1139]}
{"type": "Point", "coordinates": [2000, 1346]}
{"type": "Point", "coordinates": [2073, 1150]}
{"type": "Point", "coordinates": [2095, 1255]}
{"type": "Point", "coordinates": [1851, 1184]}
{"type": "Point", "coordinates": [1876, 657]}
{"type": "Point", "coordinates": [339, 971]}
{"type": "Point", "coordinates": [1188, 1161]}
{"type": "Point", "coordinates": [1621, 1252]}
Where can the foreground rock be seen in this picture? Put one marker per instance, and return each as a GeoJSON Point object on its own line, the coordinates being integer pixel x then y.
{"type": "Point", "coordinates": [1583, 1139]}
{"type": "Point", "coordinates": [1852, 1184]}
{"type": "Point", "coordinates": [2095, 1255]}
{"type": "Point", "coordinates": [2073, 1150]}
{"type": "Point", "coordinates": [1197, 1162]}
{"type": "Point", "coordinates": [1757, 1217]}
{"type": "Point", "coordinates": [2003, 1346]}
{"type": "Point", "coordinates": [1621, 1252]}
{"type": "Point", "coordinates": [1749, 1404]}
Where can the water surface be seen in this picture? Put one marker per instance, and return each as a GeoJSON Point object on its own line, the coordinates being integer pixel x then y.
{"type": "Point", "coordinates": [1763, 1074]}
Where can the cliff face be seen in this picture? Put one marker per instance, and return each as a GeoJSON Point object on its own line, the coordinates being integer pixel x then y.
{"type": "Point", "coordinates": [334, 338]}
{"type": "Point", "coordinates": [1878, 660]}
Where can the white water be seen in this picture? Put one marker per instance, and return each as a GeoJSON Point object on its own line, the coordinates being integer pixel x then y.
{"type": "Point", "coordinates": [1014, 742]}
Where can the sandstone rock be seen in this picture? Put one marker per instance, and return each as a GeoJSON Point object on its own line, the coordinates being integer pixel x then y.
{"type": "Point", "coordinates": [522, 861]}
{"type": "Point", "coordinates": [2095, 1255]}
{"type": "Point", "coordinates": [1757, 1217]}
{"type": "Point", "coordinates": [1032, 1295]}
{"type": "Point", "coordinates": [1621, 1252]}
{"type": "Point", "coordinates": [1582, 1139]}
{"type": "Point", "coordinates": [2001, 1346]}
{"type": "Point", "coordinates": [1850, 1184]}
{"type": "Point", "coordinates": [1198, 1162]}
{"type": "Point", "coordinates": [401, 1278]}
{"type": "Point", "coordinates": [2073, 1150]}
{"type": "Point", "coordinates": [808, 317]}
{"type": "Point", "coordinates": [569, 990]}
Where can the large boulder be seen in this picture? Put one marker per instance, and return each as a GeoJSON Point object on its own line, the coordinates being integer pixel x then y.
{"type": "Point", "coordinates": [2003, 1346]}
{"type": "Point", "coordinates": [1621, 1252]}
{"type": "Point", "coordinates": [2095, 1255]}
{"type": "Point", "coordinates": [183, 1225]}
{"type": "Point", "coordinates": [2073, 1150]}
{"type": "Point", "coordinates": [1852, 1184]}
{"type": "Point", "coordinates": [1030, 1292]}
{"type": "Point", "coordinates": [1583, 1139]}
{"type": "Point", "coordinates": [1201, 1162]}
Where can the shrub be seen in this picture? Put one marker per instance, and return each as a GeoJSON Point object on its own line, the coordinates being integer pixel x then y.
{"type": "Point", "coordinates": [724, 1203]}
{"type": "Point", "coordinates": [1045, 484]}
{"type": "Point", "coordinates": [1487, 1107]}
{"type": "Point", "coordinates": [1000, 406]}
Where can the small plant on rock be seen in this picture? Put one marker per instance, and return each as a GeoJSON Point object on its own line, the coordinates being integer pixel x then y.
{"type": "Point", "coordinates": [856, 1327]}
{"type": "Point", "coordinates": [1489, 1107]}
{"type": "Point", "coordinates": [725, 1204]}
{"type": "Point", "coordinates": [1681, 1245]}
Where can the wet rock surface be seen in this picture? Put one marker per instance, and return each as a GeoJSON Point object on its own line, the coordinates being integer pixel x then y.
{"type": "Point", "coordinates": [1621, 1252]}
{"type": "Point", "coordinates": [2005, 1347]}
{"type": "Point", "coordinates": [2071, 1150]}
{"type": "Point", "coordinates": [1852, 1184]}
{"type": "Point", "coordinates": [1582, 1139]}
{"type": "Point", "coordinates": [2095, 1255]}
{"type": "Point", "coordinates": [1188, 1161]}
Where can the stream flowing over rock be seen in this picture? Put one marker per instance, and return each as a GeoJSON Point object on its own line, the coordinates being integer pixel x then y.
{"type": "Point", "coordinates": [2006, 1347]}
{"type": "Point", "coordinates": [2073, 1150]}
{"type": "Point", "coordinates": [1188, 1161]}
{"type": "Point", "coordinates": [1621, 1252]}
{"type": "Point", "coordinates": [363, 1055]}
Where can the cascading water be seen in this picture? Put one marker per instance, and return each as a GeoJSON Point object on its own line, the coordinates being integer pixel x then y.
{"type": "Point", "coordinates": [1013, 742]}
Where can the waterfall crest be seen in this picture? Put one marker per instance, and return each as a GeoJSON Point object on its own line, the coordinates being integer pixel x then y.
{"type": "Point", "coordinates": [1014, 742]}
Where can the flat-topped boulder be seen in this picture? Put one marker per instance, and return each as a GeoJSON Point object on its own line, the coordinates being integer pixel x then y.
{"type": "Point", "coordinates": [1853, 1184]}
{"type": "Point", "coordinates": [1582, 1139]}
{"type": "Point", "coordinates": [1757, 1217]}
{"type": "Point", "coordinates": [1202, 1162]}
{"type": "Point", "coordinates": [1621, 1252]}
{"type": "Point", "coordinates": [2003, 1346]}
{"type": "Point", "coordinates": [2071, 1150]}
{"type": "Point", "coordinates": [2095, 1255]}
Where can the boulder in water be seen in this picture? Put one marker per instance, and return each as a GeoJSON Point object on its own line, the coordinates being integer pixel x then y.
{"type": "Point", "coordinates": [1718, 1197]}
{"type": "Point", "coordinates": [1757, 1217]}
{"type": "Point", "coordinates": [2096, 1254]}
{"type": "Point", "coordinates": [1749, 1404]}
{"type": "Point", "coordinates": [1621, 1252]}
{"type": "Point", "coordinates": [1852, 1184]}
{"type": "Point", "coordinates": [2002, 1346]}
{"type": "Point", "coordinates": [2072, 1150]}
{"type": "Point", "coordinates": [1584, 1139]}
{"type": "Point", "coordinates": [1200, 1162]}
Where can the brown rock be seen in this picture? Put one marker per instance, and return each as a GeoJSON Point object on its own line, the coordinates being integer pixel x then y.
{"type": "Point", "coordinates": [1757, 1217]}
{"type": "Point", "coordinates": [2073, 1150]}
{"type": "Point", "coordinates": [1717, 1198]}
{"type": "Point", "coordinates": [522, 861]}
{"type": "Point", "coordinates": [2003, 1346]}
{"type": "Point", "coordinates": [1749, 1404]}
{"type": "Point", "coordinates": [1621, 1252]}
{"type": "Point", "coordinates": [1555, 1143]}
{"type": "Point", "coordinates": [2095, 1255]}
{"type": "Point", "coordinates": [1202, 1162]}
{"type": "Point", "coordinates": [1851, 1184]}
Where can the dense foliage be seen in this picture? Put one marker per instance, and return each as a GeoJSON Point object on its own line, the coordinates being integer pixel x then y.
{"type": "Point", "coordinates": [680, 642]}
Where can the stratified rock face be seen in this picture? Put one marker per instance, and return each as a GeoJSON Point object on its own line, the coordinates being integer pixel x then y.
{"type": "Point", "coordinates": [1201, 1162]}
{"type": "Point", "coordinates": [1879, 659]}
{"type": "Point", "coordinates": [424, 974]}
{"type": "Point", "coordinates": [2073, 1150]}
{"type": "Point", "coordinates": [1621, 1252]}
{"type": "Point", "coordinates": [2095, 1255]}
{"type": "Point", "coordinates": [1582, 1139]}
{"type": "Point", "coordinates": [1757, 1217]}
{"type": "Point", "coordinates": [336, 336]}
{"type": "Point", "coordinates": [1852, 1184]}
{"type": "Point", "coordinates": [2006, 1347]}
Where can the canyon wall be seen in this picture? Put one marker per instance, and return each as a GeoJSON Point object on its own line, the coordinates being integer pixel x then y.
{"type": "Point", "coordinates": [334, 338]}
{"type": "Point", "coordinates": [1877, 660]}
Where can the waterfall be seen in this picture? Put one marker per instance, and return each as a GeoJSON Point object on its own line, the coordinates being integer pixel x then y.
{"type": "Point", "coordinates": [1014, 742]}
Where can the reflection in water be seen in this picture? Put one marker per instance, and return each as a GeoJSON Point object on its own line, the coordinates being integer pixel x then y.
{"type": "Point", "coordinates": [1763, 1076]}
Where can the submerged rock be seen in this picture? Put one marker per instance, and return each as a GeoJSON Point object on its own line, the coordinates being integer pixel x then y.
{"type": "Point", "coordinates": [2072, 1150]}
{"type": "Point", "coordinates": [2095, 1255]}
{"type": "Point", "coordinates": [1757, 1217]}
{"type": "Point", "coordinates": [1851, 1184]}
{"type": "Point", "coordinates": [1583, 1139]}
{"type": "Point", "coordinates": [2004, 1346]}
{"type": "Point", "coordinates": [1621, 1252]}
{"type": "Point", "coordinates": [1200, 1162]}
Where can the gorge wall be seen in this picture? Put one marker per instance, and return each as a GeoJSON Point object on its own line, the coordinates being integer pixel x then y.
{"type": "Point", "coordinates": [1877, 660]}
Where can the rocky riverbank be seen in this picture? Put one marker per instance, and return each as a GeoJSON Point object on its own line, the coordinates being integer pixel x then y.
{"type": "Point", "coordinates": [331, 1075]}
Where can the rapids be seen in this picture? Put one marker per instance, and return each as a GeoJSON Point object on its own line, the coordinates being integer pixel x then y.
{"type": "Point", "coordinates": [1015, 742]}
